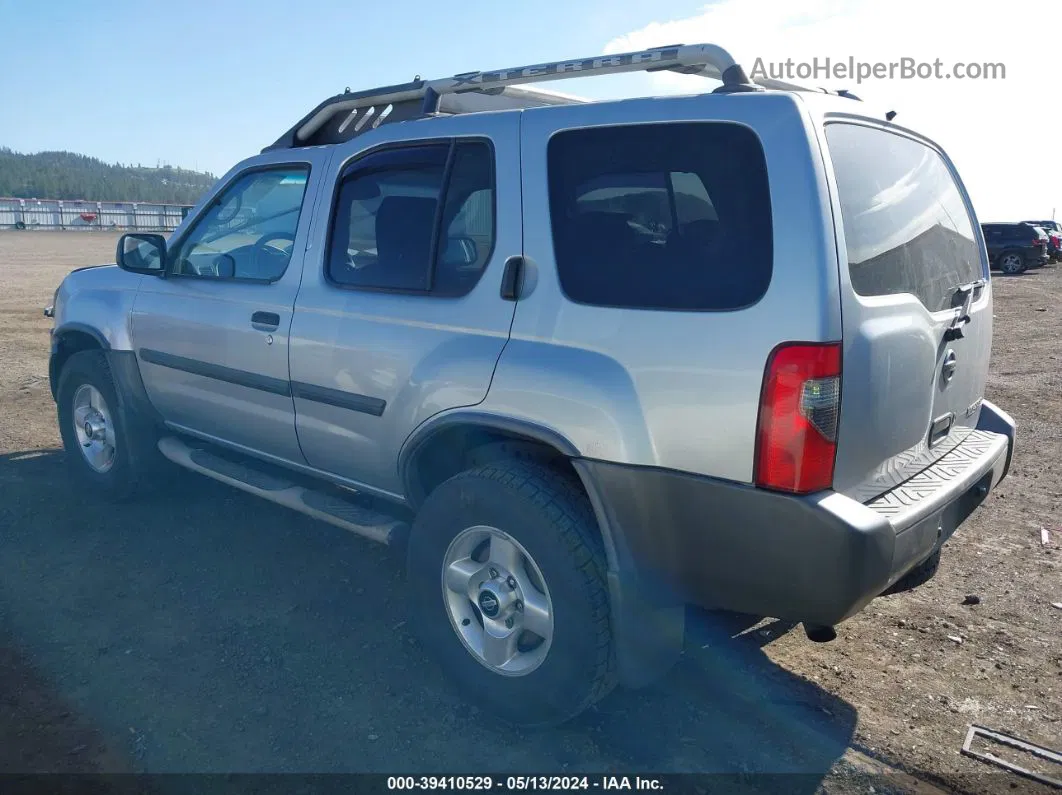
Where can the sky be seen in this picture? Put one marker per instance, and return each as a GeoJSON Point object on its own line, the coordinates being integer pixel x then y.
{"type": "Point", "coordinates": [204, 83]}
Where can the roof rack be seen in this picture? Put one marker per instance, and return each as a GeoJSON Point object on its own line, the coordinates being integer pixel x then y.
{"type": "Point", "coordinates": [346, 115]}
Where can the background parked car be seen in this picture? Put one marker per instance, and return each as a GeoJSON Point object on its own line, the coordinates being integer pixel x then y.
{"type": "Point", "coordinates": [1054, 238]}
{"type": "Point", "coordinates": [1046, 238]}
{"type": "Point", "coordinates": [1015, 247]}
{"type": "Point", "coordinates": [1054, 245]}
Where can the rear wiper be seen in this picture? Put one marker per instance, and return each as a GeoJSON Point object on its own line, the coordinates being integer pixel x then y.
{"type": "Point", "coordinates": [965, 293]}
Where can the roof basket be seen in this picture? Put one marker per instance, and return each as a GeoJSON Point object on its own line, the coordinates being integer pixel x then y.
{"type": "Point", "coordinates": [349, 114]}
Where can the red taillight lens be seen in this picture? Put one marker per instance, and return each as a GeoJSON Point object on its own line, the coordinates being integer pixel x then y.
{"type": "Point", "coordinates": [796, 438]}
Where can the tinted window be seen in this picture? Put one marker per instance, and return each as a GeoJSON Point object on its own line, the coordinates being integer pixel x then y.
{"type": "Point", "coordinates": [468, 221]}
{"type": "Point", "coordinates": [248, 232]}
{"type": "Point", "coordinates": [662, 216]}
{"type": "Point", "coordinates": [399, 227]}
{"type": "Point", "coordinates": [906, 226]}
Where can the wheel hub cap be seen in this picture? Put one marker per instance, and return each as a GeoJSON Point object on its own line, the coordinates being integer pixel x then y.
{"type": "Point", "coordinates": [497, 601]}
{"type": "Point", "coordinates": [490, 603]}
{"type": "Point", "coordinates": [93, 428]}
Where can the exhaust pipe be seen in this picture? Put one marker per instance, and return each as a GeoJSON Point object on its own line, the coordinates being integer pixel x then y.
{"type": "Point", "coordinates": [819, 634]}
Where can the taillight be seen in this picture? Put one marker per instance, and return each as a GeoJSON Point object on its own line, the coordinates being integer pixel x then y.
{"type": "Point", "coordinates": [796, 435]}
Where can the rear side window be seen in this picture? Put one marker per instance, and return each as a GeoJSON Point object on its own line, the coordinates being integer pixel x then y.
{"type": "Point", "coordinates": [418, 220]}
{"type": "Point", "coordinates": [661, 216]}
{"type": "Point", "coordinates": [906, 227]}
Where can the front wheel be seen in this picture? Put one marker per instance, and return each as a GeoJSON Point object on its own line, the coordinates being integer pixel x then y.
{"type": "Point", "coordinates": [508, 590]}
{"type": "Point", "coordinates": [106, 448]}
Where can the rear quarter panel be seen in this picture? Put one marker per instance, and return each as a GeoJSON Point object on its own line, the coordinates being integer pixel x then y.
{"type": "Point", "coordinates": [669, 389]}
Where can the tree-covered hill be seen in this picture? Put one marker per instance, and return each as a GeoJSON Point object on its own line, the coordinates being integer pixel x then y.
{"type": "Point", "coordinates": [65, 175]}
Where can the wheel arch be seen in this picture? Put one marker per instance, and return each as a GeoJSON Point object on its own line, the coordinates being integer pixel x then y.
{"type": "Point", "coordinates": [460, 432]}
{"type": "Point", "coordinates": [71, 338]}
{"type": "Point", "coordinates": [444, 446]}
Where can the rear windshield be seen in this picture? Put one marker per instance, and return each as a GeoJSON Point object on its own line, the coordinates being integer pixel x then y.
{"type": "Point", "coordinates": [661, 216]}
{"type": "Point", "coordinates": [1023, 231]}
{"type": "Point", "coordinates": [993, 231]}
{"type": "Point", "coordinates": [906, 226]}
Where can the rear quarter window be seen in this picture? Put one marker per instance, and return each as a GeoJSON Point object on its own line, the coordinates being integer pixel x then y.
{"type": "Point", "coordinates": [661, 216]}
{"type": "Point", "coordinates": [906, 226]}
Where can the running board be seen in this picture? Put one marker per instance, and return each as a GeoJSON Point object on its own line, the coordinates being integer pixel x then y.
{"type": "Point", "coordinates": [364, 521]}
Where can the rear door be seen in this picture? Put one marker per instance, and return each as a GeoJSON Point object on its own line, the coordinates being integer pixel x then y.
{"type": "Point", "coordinates": [400, 315]}
{"type": "Point", "coordinates": [916, 306]}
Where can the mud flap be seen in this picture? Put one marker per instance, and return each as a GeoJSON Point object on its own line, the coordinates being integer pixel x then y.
{"type": "Point", "coordinates": [648, 628]}
{"type": "Point", "coordinates": [649, 637]}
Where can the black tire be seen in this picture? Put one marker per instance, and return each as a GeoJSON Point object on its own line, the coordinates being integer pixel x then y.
{"type": "Point", "coordinates": [547, 512]}
{"type": "Point", "coordinates": [136, 456]}
{"type": "Point", "coordinates": [1006, 263]}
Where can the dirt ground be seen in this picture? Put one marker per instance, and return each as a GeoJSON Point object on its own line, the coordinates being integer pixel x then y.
{"type": "Point", "coordinates": [205, 631]}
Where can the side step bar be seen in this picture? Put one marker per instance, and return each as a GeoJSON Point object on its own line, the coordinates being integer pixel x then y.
{"type": "Point", "coordinates": [347, 514]}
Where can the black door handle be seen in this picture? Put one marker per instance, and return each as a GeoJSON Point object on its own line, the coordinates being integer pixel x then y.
{"type": "Point", "coordinates": [512, 278]}
{"type": "Point", "coordinates": [267, 321]}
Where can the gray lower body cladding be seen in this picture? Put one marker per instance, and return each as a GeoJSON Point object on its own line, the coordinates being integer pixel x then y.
{"type": "Point", "coordinates": [127, 381]}
{"type": "Point", "coordinates": [818, 559]}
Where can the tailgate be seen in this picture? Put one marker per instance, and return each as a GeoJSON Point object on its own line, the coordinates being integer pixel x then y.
{"type": "Point", "coordinates": [916, 307]}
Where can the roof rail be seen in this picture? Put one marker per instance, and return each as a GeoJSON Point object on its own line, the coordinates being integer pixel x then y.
{"type": "Point", "coordinates": [345, 115]}
{"type": "Point", "coordinates": [781, 85]}
{"type": "Point", "coordinates": [421, 97]}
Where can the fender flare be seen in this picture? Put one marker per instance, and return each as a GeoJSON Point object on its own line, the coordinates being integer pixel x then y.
{"type": "Point", "coordinates": [81, 328]}
{"type": "Point", "coordinates": [481, 419]}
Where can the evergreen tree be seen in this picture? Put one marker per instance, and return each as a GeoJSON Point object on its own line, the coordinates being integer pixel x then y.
{"type": "Point", "coordinates": [65, 175]}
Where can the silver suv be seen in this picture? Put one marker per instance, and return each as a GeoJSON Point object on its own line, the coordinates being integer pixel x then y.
{"type": "Point", "coordinates": [588, 361]}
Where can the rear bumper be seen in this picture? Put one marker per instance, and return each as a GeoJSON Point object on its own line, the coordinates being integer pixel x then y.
{"type": "Point", "coordinates": [1037, 257]}
{"type": "Point", "coordinates": [817, 559]}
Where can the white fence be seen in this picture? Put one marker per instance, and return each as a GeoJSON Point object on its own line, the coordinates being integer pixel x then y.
{"type": "Point", "coordinates": [88, 215]}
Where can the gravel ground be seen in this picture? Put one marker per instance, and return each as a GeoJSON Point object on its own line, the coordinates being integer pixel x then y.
{"type": "Point", "coordinates": [206, 631]}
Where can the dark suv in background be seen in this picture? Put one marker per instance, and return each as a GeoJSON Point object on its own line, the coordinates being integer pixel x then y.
{"type": "Point", "coordinates": [1013, 248]}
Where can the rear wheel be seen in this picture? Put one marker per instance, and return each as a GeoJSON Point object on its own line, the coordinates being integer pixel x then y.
{"type": "Point", "coordinates": [1011, 263]}
{"type": "Point", "coordinates": [508, 590]}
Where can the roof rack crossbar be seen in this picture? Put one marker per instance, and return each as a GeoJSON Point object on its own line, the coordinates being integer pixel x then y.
{"type": "Point", "coordinates": [422, 97]}
{"type": "Point", "coordinates": [706, 59]}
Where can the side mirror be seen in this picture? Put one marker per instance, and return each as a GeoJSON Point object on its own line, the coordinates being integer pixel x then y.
{"type": "Point", "coordinates": [460, 251]}
{"type": "Point", "coordinates": [142, 253]}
